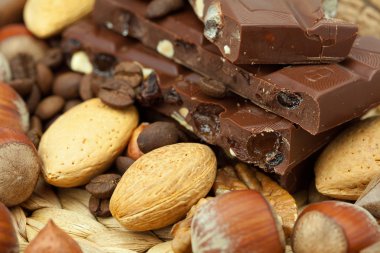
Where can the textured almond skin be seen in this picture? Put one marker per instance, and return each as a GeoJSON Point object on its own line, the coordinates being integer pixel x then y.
{"type": "Point", "coordinates": [161, 187]}
{"type": "Point", "coordinates": [84, 141]}
{"type": "Point", "coordinates": [47, 17]}
{"type": "Point", "coordinates": [350, 161]}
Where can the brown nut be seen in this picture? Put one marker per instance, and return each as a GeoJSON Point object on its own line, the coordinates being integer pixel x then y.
{"type": "Point", "coordinates": [181, 231]}
{"type": "Point", "coordinates": [133, 150]}
{"type": "Point", "coordinates": [8, 237]}
{"type": "Point", "coordinates": [156, 135]}
{"type": "Point", "coordinates": [333, 226]}
{"type": "Point", "coordinates": [52, 239]}
{"type": "Point", "coordinates": [283, 203]}
{"type": "Point", "coordinates": [238, 221]}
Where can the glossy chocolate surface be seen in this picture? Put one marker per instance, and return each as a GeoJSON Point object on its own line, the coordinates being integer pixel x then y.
{"type": "Point", "coordinates": [242, 129]}
{"type": "Point", "coordinates": [316, 97]}
{"type": "Point", "coordinates": [274, 31]}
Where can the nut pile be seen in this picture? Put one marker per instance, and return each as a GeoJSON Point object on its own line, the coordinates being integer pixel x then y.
{"type": "Point", "coordinates": [86, 167]}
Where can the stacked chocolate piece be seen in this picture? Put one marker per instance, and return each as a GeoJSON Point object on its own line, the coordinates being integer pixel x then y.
{"type": "Point", "coordinates": [270, 82]}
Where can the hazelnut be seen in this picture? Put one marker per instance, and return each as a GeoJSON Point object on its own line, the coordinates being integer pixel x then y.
{"type": "Point", "coordinates": [53, 239]}
{"type": "Point", "coordinates": [8, 237]}
{"type": "Point", "coordinates": [239, 221]}
{"type": "Point", "coordinates": [333, 226]}
{"type": "Point", "coordinates": [133, 150]}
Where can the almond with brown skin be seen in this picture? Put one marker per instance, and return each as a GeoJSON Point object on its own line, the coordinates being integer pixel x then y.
{"type": "Point", "coordinates": [133, 150]}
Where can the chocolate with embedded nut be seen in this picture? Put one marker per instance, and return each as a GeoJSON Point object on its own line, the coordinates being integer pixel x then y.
{"type": "Point", "coordinates": [242, 129]}
{"type": "Point", "coordinates": [302, 94]}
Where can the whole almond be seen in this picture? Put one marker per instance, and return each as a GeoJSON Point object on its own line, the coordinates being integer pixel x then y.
{"type": "Point", "coordinates": [349, 162]}
{"type": "Point", "coordinates": [84, 141]}
{"type": "Point", "coordinates": [161, 186]}
{"type": "Point", "coordinates": [48, 17]}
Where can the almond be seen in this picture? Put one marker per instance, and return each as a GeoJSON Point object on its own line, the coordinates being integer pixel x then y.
{"type": "Point", "coordinates": [84, 141]}
{"type": "Point", "coordinates": [162, 185]}
{"type": "Point", "coordinates": [349, 162]}
{"type": "Point", "coordinates": [48, 17]}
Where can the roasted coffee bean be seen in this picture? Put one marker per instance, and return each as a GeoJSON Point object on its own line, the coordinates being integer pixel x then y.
{"type": "Point", "coordinates": [44, 78]}
{"type": "Point", "coordinates": [116, 93]}
{"type": "Point", "coordinates": [96, 83]}
{"type": "Point", "coordinates": [34, 136]}
{"type": "Point", "coordinates": [157, 134]}
{"type": "Point", "coordinates": [53, 57]}
{"type": "Point", "coordinates": [23, 66]}
{"type": "Point", "coordinates": [103, 64]}
{"type": "Point", "coordinates": [130, 72]}
{"type": "Point", "coordinates": [149, 92]}
{"type": "Point", "coordinates": [160, 8]}
{"type": "Point", "coordinates": [103, 185]}
{"type": "Point", "coordinates": [123, 163]}
{"type": "Point", "coordinates": [22, 86]}
{"type": "Point", "coordinates": [212, 88]}
{"type": "Point", "coordinates": [99, 207]}
{"type": "Point", "coordinates": [49, 107]}
{"type": "Point", "coordinates": [85, 90]}
{"type": "Point", "coordinates": [66, 85]}
{"type": "Point", "coordinates": [70, 104]}
{"type": "Point", "coordinates": [33, 99]}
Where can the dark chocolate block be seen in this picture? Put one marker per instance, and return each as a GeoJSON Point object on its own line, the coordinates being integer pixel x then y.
{"type": "Point", "coordinates": [242, 129]}
{"type": "Point", "coordinates": [274, 31]}
{"type": "Point", "coordinates": [316, 97]}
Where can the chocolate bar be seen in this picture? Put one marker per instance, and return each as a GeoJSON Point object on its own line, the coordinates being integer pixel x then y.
{"type": "Point", "coordinates": [242, 129]}
{"type": "Point", "coordinates": [274, 31]}
{"type": "Point", "coordinates": [316, 97]}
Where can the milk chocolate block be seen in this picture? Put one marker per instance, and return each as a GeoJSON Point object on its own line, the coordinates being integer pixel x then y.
{"type": "Point", "coordinates": [315, 97]}
{"type": "Point", "coordinates": [274, 31]}
{"type": "Point", "coordinates": [242, 129]}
